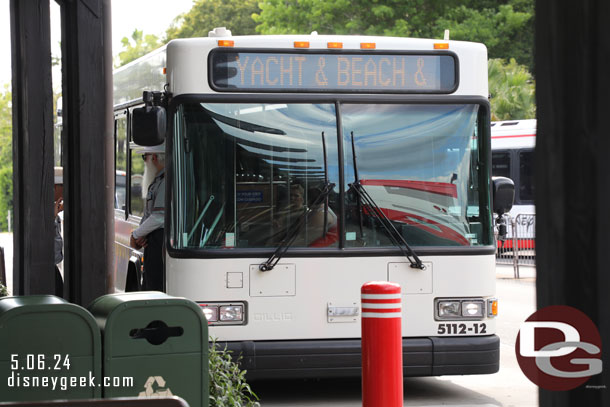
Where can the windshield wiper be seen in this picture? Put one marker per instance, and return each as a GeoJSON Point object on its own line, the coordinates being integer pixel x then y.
{"type": "Point", "coordinates": [293, 230]}
{"type": "Point", "coordinates": [395, 236]}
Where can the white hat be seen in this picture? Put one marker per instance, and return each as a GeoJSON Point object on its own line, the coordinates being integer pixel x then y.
{"type": "Point", "coordinates": [59, 175]}
{"type": "Point", "coordinates": [158, 149]}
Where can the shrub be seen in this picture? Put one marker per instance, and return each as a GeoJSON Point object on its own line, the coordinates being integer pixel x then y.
{"type": "Point", "coordinates": [6, 194]}
{"type": "Point", "coordinates": [228, 387]}
{"type": "Point", "coordinates": [3, 291]}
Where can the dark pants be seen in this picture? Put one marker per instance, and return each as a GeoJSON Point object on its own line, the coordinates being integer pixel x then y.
{"type": "Point", "coordinates": [59, 283]}
{"type": "Point", "coordinates": [153, 261]}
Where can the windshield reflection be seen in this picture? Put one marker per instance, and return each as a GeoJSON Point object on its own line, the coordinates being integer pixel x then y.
{"type": "Point", "coordinates": [252, 158]}
{"type": "Point", "coordinates": [415, 162]}
{"type": "Point", "coordinates": [238, 169]}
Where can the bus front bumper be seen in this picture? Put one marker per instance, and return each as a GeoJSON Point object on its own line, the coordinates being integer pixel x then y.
{"type": "Point", "coordinates": [431, 356]}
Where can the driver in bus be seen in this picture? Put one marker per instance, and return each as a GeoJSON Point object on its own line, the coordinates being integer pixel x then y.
{"type": "Point", "coordinates": [149, 235]}
{"type": "Point", "coordinates": [313, 229]}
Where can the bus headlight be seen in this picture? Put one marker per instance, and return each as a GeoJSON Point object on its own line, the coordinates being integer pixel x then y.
{"type": "Point", "coordinates": [460, 308]}
{"type": "Point", "coordinates": [472, 309]}
{"type": "Point", "coordinates": [232, 313]}
{"type": "Point", "coordinates": [448, 309]}
{"type": "Point", "coordinates": [224, 313]}
{"type": "Point", "coordinates": [210, 312]}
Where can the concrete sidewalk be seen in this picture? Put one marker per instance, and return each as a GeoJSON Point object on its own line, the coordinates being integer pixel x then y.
{"type": "Point", "coordinates": [507, 271]}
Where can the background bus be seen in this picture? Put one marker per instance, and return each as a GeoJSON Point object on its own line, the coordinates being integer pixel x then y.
{"type": "Point", "coordinates": [513, 144]}
{"type": "Point", "coordinates": [294, 165]}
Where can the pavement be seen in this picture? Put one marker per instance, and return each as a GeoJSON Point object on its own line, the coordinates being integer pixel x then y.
{"type": "Point", "coordinates": [507, 271]}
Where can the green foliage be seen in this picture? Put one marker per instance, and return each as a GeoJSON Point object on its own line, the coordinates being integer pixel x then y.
{"type": "Point", "coordinates": [137, 46]}
{"type": "Point", "coordinates": [336, 17]}
{"type": "Point", "coordinates": [3, 291]}
{"type": "Point", "coordinates": [205, 15]}
{"type": "Point", "coordinates": [512, 90]}
{"type": "Point", "coordinates": [6, 194]}
{"type": "Point", "coordinates": [6, 156]}
{"type": "Point", "coordinates": [228, 387]}
{"type": "Point", "coordinates": [6, 129]}
{"type": "Point", "coordinates": [504, 30]}
{"type": "Point", "coordinates": [505, 26]}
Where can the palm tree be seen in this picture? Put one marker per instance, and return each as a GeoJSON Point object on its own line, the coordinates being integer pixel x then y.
{"type": "Point", "coordinates": [512, 90]}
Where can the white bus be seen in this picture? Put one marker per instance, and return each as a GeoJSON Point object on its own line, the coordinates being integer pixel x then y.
{"type": "Point", "coordinates": [299, 168]}
{"type": "Point", "coordinates": [512, 144]}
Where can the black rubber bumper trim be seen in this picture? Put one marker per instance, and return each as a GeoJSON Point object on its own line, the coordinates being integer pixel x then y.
{"type": "Point", "coordinates": [433, 356]}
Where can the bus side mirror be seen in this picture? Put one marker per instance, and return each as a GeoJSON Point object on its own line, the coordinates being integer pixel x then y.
{"type": "Point", "coordinates": [503, 194]}
{"type": "Point", "coordinates": [148, 125]}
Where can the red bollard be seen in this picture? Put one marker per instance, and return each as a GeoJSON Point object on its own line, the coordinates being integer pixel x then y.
{"type": "Point", "coordinates": [381, 345]}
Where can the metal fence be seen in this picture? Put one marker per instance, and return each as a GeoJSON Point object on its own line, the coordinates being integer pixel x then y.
{"type": "Point", "coordinates": [519, 246]}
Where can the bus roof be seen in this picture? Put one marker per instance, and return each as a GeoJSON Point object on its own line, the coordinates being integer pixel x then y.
{"type": "Point", "coordinates": [145, 73]}
{"type": "Point", "coordinates": [187, 71]}
{"type": "Point", "coordinates": [513, 134]}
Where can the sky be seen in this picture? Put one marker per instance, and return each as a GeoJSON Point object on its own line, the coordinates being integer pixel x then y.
{"type": "Point", "coordinates": [151, 16]}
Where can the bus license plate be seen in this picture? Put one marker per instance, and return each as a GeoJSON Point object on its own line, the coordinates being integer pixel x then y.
{"type": "Point", "coordinates": [461, 329]}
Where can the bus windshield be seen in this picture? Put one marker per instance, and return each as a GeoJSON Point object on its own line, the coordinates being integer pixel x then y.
{"type": "Point", "coordinates": [245, 173]}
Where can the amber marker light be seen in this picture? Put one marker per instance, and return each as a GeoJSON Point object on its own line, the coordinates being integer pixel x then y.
{"type": "Point", "coordinates": [368, 45]}
{"type": "Point", "coordinates": [334, 45]}
{"type": "Point", "coordinates": [441, 45]}
{"type": "Point", "coordinates": [226, 43]}
{"type": "Point", "coordinates": [492, 307]}
{"type": "Point", "coordinates": [164, 71]}
{"type": "Point", "coordinates": [301, 44]}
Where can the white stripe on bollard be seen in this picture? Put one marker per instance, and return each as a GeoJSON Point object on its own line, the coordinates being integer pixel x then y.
{"type": "Point", "coordinates": [381, 296]}
{"type": "Point", "coordinates": [381, 315]}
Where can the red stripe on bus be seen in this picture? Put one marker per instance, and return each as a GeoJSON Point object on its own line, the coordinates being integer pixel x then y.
{"type": "Point", "coordinates": [522, 244]}
{"type": "Point", "coordinates": [523, 135]}
{"type": "Point", "coordinates": [443, 232]}
{"type": "Point", "coordinates": [439, 188]}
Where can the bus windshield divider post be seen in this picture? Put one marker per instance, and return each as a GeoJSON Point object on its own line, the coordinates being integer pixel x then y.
{"type": "Point", "coordinates": [293, 230]}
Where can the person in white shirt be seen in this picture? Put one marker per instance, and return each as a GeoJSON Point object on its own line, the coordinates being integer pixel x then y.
{"type": "Point", "coordinates": [149, 235]}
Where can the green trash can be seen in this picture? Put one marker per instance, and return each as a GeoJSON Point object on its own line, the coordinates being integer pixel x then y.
{"type": "Point", "coordinates": [158, 340]}
{"type": "Point", "coordinates": [49, 349]}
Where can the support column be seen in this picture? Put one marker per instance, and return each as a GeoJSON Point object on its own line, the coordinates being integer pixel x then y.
{"type": "Point", "coordinates": [572, 173]}
{"type": "Point", "coordinates": [88, 142]}
{"type": "Point", "coordinates": [33, 263]}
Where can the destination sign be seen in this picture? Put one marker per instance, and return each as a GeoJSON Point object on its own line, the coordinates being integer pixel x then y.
{"type": "Point", "coordinates": [248, 71]}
